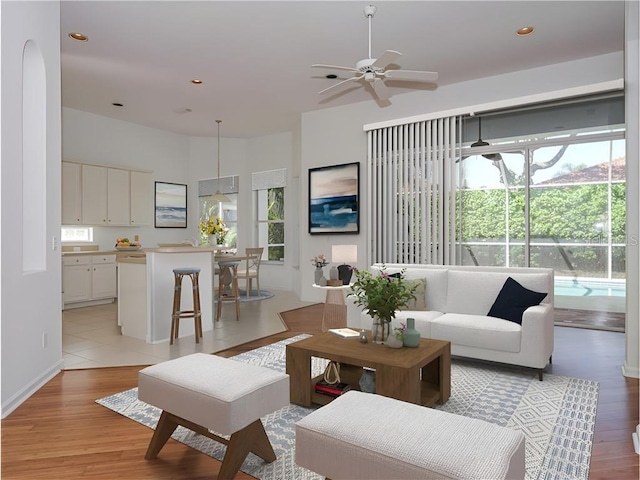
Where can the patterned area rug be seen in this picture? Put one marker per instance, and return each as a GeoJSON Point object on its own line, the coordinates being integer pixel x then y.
{"type": "Point", "coordinates": [557, 416]}
{"type": "Point", "coordinates": [254, 297]}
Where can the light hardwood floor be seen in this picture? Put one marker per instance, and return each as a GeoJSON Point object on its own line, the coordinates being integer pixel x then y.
{"type": "Point", "coordinates": [61, 433]}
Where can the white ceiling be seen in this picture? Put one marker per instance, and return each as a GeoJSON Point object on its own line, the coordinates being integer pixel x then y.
{"type": "Point", "coordinates": [255, 57]}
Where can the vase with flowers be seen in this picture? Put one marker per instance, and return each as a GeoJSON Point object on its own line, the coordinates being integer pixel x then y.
{"type": "Point", "coordinates": [213, 229]}
{"type": "Point", "coordinates": [381, 296]}
{"type": "Point", "coordinates": [319, 261]}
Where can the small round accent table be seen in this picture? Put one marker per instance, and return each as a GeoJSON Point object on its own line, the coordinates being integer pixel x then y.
{"type": "Point", "coordinates": [334, 314]}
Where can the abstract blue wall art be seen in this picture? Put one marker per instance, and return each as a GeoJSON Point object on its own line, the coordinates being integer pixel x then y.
{"type": "Point", "coordinates": [171, 205]}
{"type": "Point", "coordinates": [334, 199]}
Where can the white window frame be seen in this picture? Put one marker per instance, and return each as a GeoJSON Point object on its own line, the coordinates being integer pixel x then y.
{"type": "Point", "coordinates": [76, 234]}
{"type": "Point", "coordinates": [263, 222]}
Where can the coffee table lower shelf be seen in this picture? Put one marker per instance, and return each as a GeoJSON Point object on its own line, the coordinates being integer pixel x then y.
{"type": "Point", "coordinates": [429, 394]}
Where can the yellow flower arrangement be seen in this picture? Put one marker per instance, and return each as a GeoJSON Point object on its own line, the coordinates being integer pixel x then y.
{"type": "Point", "coordinates": [212, 225]}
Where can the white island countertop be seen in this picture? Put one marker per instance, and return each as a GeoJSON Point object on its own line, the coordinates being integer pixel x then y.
{"type": "Point", "coordinates": [146, 286]}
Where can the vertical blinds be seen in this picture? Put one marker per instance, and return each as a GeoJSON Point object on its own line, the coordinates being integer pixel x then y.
{"type": "Point", "coordinates": [411, 192]}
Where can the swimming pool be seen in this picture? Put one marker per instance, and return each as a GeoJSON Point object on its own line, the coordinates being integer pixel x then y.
{"type": "Point", "coordinates": [585, 288]}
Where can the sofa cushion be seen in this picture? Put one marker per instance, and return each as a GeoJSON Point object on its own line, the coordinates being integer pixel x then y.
{"type": "Point", "coordinates": [488, 333]}
{"type": "Point", "coordinates": [423, 320]}
{"type": "Point", "coordinates": [435, 294]}
{"type": "Point", "coordinates": [513, 300]}
{"type": "Point", "coordinates": [419, 303]}
{"type": "Point", "coordinates": [473, 292]}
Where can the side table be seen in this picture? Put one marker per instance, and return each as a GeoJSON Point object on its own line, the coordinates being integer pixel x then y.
{"type": "Point", "coordinates": [334, 314]}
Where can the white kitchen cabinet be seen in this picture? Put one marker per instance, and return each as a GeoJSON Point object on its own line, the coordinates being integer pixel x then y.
{"type": "Point", "coordinates": [141, 198]}
{"type": "Point", "coordinates": [103, 277]}
{"type": "Point", "coordinates": [76, 279]}
{"type": "Point", "coordinates": [118, 202]}
{"type": "Point", "coordinates": [94, 195]}
{"type": "Point", "coordinates": [71, 193]}
{"type": "Point", "coordinates": [105, 196]}
{"type": "Point", "coordinates": [88, 279]}
{"type": "Point", "coordinates": [101, 196]}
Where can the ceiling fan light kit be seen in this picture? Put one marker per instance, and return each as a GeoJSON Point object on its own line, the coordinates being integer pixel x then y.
{"type": "Point", "coordinates": [373, 70]}
{"type": "Point", "coordinates": [219, 196]}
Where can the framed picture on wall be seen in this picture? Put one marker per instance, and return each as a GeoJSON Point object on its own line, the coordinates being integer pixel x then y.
{"type": "Point", "coordinates": [170, 205]}
{"type": "Point", "coordinates": [334, 204]}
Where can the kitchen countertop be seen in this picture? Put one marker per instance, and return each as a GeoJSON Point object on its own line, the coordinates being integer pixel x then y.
{"type": "Point", "coordinates": [139, 256]}
{"type": "Point", "coordinates": [92, 252]}
{"type": "Point", "coordinates": [187, 249]}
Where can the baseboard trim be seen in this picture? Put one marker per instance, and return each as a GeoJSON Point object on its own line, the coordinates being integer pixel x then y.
{"type": "Point", "coordinates": [16, 400]}
{"type": "Point", "coordinates": [630, 372]}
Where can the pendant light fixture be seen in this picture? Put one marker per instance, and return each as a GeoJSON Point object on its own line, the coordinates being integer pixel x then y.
{"type": "Point", "coordinates": [482, 143]}
{"type": "Point", "coordinates": [219, 196]}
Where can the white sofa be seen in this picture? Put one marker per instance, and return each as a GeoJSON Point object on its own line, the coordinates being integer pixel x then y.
{"type": "Point", "coordinates": [456, 302]}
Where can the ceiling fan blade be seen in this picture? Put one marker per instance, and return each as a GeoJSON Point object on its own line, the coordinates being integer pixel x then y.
{"type": "Point", "coordinates": [340, 83]}
{"type": "Point", "coordinates": [334, 67]}
{"type": "Point", "coordinates": [386, 58]}
{"type": "Point", "coordinates": [412, 75]}
{"type": "Point", "coordinates": [382, 92]}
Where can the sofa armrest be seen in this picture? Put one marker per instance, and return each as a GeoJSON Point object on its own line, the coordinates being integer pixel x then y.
{"type": "Point", "coordinates": [537, 333]}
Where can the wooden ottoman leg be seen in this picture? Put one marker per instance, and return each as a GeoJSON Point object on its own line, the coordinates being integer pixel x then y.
{"type": "Point", "coordinates": [251, 438]}
{"type": "Point", "coordinates": [166, 426]}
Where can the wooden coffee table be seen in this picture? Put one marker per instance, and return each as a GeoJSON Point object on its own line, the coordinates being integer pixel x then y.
{"type": "Point", "coordinates": [420, 375]}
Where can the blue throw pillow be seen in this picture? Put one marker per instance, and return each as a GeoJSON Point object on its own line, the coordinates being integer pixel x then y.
{"type": "Point", "coordinates": [513, 300]}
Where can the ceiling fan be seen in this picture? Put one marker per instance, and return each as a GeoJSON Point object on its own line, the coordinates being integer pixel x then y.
{"type": "Point", "coordinates": [372, 70]}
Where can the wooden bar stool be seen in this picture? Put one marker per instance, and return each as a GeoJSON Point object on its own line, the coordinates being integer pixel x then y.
{"type": "Point", "coordinates": [195, 313]}
{"type": "Point", "coordinates": [230, 269]}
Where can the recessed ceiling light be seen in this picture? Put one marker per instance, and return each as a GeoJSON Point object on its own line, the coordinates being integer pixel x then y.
{"type": "Point", "coordinates": [116, 104]}
{"type": "Point", "coordinates": [195, 81]}
{"type": "Point", "coordinates": [521, 32]}
{"type": "Point", "coordinates": [78, 36]}
{"type": "Point", "coordinates": [332, 76]}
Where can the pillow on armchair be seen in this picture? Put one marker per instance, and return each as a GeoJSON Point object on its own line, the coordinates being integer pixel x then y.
{"type": "Point", "coordinates": [513, 300]}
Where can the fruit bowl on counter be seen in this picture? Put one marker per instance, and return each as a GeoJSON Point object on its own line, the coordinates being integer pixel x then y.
{"type": "Point", "coordinates": [123, 244]}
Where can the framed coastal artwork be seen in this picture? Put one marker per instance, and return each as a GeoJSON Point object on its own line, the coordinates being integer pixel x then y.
{"type": "Point", "coordinates": [170, 205]}
{"type": "Point", "coordinates": [334, 206]}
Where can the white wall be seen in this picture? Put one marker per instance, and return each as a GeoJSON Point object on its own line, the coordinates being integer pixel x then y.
{"type": "Point", "coordinates": [269, 153]}
{"type": "Point", "coordinates": [632, 111]}
{"type": "Point", "coordinates": [31, 301]}
{"type": "Point", "coordinates": [89, 138]}
{"type": "Point", "coordinates": [336, 135]}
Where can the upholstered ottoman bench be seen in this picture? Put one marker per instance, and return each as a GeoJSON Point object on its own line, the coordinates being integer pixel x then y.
{"type": "Point", "coordinates": [365, 436]}
{"type": "Point", "coordinates": [206, 392]}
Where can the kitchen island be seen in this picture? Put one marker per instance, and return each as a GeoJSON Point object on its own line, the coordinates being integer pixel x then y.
{"type": "Point", "coordinates": [145, 291]}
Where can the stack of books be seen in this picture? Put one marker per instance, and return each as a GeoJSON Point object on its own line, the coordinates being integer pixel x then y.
{"type": "Point", "coordinates": [332, 389]}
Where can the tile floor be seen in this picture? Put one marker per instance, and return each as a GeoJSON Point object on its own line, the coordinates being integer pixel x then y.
{"type": "Point", "coordinates": [91, 336]}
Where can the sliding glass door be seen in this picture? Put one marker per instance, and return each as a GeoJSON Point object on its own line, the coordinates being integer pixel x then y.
{"type": "Point", "coordinates": [557, 203]}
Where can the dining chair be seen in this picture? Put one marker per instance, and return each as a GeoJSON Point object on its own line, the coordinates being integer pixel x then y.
{"type": "Point", "coordinates": [252, 268]}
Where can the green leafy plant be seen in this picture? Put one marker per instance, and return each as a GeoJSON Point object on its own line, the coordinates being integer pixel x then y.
{"type": "Point", "coordinates": [383, 294]}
